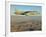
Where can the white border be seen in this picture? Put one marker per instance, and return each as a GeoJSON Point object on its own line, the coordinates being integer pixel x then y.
{"type": "Point", "coordinates": [8, 33]}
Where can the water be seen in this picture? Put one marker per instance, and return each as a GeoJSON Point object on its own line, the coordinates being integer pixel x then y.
{"type": "Point", "coordinates": [25, 18]}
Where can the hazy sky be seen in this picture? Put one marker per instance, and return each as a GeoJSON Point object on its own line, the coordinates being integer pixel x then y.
{"type": "Point", "coordinates": [24, 8]}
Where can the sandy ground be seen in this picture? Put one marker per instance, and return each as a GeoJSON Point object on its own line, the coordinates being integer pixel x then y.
{"type": "Point", "coordinates": [25, 23]}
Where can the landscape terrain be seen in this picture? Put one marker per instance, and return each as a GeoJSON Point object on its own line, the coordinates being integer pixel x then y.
{"type": "Point", "coordinates": [25, 23]}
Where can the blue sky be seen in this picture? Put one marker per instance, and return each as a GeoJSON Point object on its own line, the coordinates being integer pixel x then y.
{"type": "Point", "coordinates": [25, 8]}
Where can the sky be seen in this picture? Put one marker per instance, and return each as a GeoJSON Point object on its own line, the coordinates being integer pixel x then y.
{"type": "Point", "coordinates": [13, 8]}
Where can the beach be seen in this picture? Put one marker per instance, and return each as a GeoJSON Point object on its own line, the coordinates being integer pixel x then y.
{"type": "Point", "coordinates": [25, 23]}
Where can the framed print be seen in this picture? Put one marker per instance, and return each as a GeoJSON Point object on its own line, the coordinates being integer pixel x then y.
{"type": "Point", "coordinates": [23, 17]}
